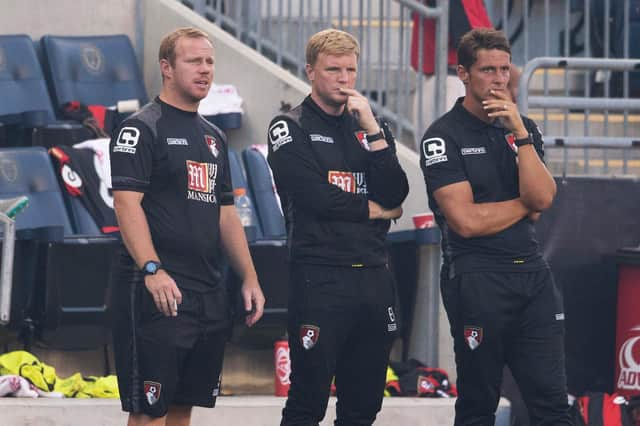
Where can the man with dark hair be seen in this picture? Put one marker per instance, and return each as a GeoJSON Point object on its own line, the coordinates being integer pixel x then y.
{"type": "Point", "coordinates": [487, 184]}
{"type": "Point", "coordinates": [174, 203]}
{"type": "Point", "coordinates": [464, 15]}
{"type": "Point", "coordinates": [340, 183]}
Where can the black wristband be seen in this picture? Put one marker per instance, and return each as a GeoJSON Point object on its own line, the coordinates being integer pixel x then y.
{"type": "Point", "coordinates": [524, 141]}
{"type": "Point", "coordinates": [376, 136]}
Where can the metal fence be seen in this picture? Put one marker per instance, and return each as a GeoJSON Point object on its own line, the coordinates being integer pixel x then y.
{"type": "Point", "coordinates": [626, 148]}
{"type": "Point", "coordinates": [582, 98]}
{"type": "Point", "coordinates": [604, 29]}
{"type": "Point", "coordinates": [279, 29]}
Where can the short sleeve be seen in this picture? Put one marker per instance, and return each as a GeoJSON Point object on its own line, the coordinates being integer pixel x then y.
{"type": "Point", "coordinates": [440, 160]}
{"type": "Point", "coordinates": [131, 157]}
{"type": "Point", "coordinates": [226, 186]}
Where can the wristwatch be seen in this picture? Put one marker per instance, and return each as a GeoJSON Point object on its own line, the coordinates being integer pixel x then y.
{"type": "Point", "coordinates": [524, 141]}
{"type": "Point", "coordinates": [151, 267]}
{"type": "Point", "coordinates": [376, 136]}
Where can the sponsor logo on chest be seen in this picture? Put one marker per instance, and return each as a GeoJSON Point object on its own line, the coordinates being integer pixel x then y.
{"type": "Point", "coordinates": [353, 182]}
{"type": "Point", "coordinates": [201, 181]}
{"type": "Point", "coordinates": [320, 138]}
{"type": "Point", "coordinates": [476, 150]}
{"type": "Point", "coordinates": [177, 141]}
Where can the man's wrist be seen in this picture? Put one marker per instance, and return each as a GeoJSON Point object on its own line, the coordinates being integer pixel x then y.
{"type": "Point", "coordinates": [521, 134]}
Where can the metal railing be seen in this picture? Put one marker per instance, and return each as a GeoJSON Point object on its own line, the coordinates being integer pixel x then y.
{"type": "Point", "coordinates": [583, 101]}
{"type": "Point", "coordinates": [279, 29]}
{"type": "Point", "coordinates": [627, 146]}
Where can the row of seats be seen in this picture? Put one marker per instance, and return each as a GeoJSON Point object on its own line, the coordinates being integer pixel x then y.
{"type": "Point", "coordinates": [62, 261]}
{"type": "Point", "coordinates": [94, 70]}
{"type": "Point", "coordinates": [61, 265]}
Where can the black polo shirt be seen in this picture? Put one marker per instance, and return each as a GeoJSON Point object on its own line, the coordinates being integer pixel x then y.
{"type": "Point", "coordinates": [179, 161]}
{"type": "Point", "coordinates": [461, 147]}
{"type": "Point", "coordinates": [325, 176]}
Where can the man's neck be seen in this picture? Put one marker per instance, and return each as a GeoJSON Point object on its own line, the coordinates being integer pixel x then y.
{"type": "Point", "coordinates": [329, 109]}
{"type": "Point", "coordinates": [475, 108]}
{"type": "Point", "coordinates": [177, 102]}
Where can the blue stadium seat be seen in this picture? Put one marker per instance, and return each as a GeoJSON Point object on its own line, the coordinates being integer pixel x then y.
{"type": "Point", "coordinates": [266, 203]}
{"type": "Point", "coordinates": [25, 102]}
{"type": "Point", "coordinates": [22, 84]}
{"type": "Point", "coordinates": [28, 171]}
{"type": "Point", "coordinates": [60, 281]}
{"type": "Point", "coordinates": [96, 70]}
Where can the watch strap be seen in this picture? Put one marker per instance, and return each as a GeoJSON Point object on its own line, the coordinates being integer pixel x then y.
{"type": "Point", "coordinates": [149, 265]}
{"type": "Point", "coordinates": [524, 141]}
{"type": "Point", "coordinates": [376, 136]}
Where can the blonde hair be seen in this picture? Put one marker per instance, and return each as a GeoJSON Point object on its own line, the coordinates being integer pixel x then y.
{"type": "Point", "coordinates": [168, 44]}
{"type": "Point", "coordinates": [332, 42]}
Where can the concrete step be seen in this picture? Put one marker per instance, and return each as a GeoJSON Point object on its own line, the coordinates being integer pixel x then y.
{"type": "Point", "coordinates": [236, 410]}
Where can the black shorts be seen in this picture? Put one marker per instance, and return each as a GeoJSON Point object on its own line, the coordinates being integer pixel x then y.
{"type": "Point", "coordinates": [163, 361]}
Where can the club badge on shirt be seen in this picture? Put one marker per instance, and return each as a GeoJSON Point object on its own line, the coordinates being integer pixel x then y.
{"type": "Point", "coordinates": [511, 140]}
{"type": "Point", "coordinates": [361, 135]}
{"type": "Point", "coordinates": [213, 145]}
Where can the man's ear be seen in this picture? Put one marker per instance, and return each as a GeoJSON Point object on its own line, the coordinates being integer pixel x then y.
{"type": "Point", "coordinates": [310, 73]}
{"type": "Point", "coordinates": [463, 74]}
{"type": "Point", "coordinates": [165, 68]}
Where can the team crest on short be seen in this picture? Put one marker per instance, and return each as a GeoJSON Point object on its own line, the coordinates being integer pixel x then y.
{"type": "Point", "coordinates": [472, 336]}
{"type": "Point", "coordinates": [152, 391]}
{"type": "Point", "coordinates": [309, 335]}
{"type": "Point", "coordinates": [213, 145]}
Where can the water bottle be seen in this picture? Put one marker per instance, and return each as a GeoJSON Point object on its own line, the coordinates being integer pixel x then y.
{"type": "Point", "coordinates": [243, 206]}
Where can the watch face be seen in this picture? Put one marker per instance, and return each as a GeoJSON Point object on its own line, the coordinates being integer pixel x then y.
{"type": "Point", "coordinates": [151, 267]}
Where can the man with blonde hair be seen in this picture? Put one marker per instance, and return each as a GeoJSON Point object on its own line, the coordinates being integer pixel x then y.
{"type": "Point", "coordinates": [340, 183]}
{"type": "Point", "coordinates": [174, 203]}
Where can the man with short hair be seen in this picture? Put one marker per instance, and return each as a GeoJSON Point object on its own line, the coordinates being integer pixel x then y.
{"type": "Point", "coordinates": [487, 184]}
{"type": "Point", "coordinates": [340, 183]}
{"type": "Point", "coordinates": [174, 203]}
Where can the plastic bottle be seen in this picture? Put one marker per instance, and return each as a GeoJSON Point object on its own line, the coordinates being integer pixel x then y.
{"type": "Point", "coordinates": [243, 206]}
